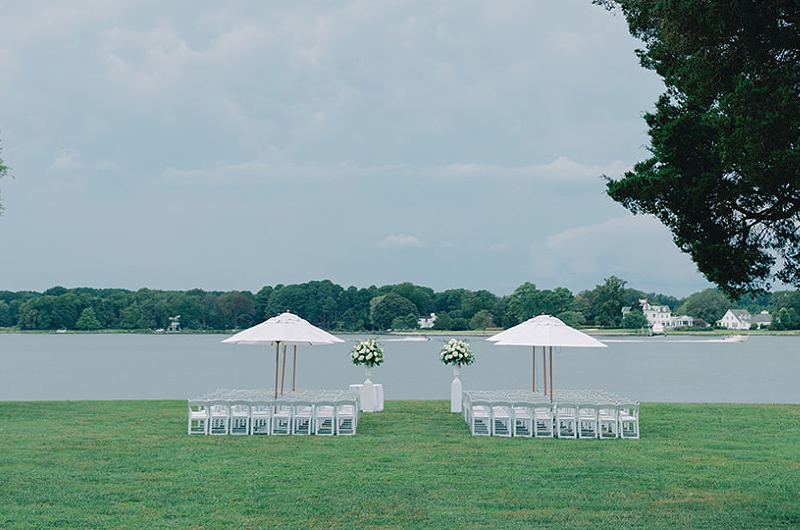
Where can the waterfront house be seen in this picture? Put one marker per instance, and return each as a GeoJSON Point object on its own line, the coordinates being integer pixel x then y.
{"type": "Point", "coordinates": [761, 321]}
{"type": "Point", "coordinates": [427, 323]}
{"type": "Point", "coordinates": [660, 317]}
{"type": "Point", "coordinates": [735, 319]}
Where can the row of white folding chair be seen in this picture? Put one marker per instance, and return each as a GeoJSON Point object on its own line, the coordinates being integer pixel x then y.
{"type": "Point", "coordinates": [238, 417]}
{"type": "Point", "coordinates": [509, 418]}
{"type": "Point", "coordinates": [543, 419]}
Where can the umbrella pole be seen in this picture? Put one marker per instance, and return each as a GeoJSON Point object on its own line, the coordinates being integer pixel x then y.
{"type": "Point", "coordinates": [544, 369]}
{"type": "Point", "coordinates": [277, 352]}
{"type": "Point", "coordinates": [533, 370]}
{"type": "Point", "coordinates": [294, 367]}
{"type": "Point", "coordinates": [551, 374]}
{"type": "Point", "coordinates": [283, 368]}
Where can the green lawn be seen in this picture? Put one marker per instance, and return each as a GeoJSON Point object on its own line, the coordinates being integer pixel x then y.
{"type": "Point", "coordinates": [131, 464]}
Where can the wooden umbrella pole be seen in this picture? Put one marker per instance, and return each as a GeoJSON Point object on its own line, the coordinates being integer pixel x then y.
{"type": "Point", "coordinates": [277, 353]}
{"type": "Point", "coordinates": [544, 369]}
{"type": "Point", "coordinates": [533, 370]}
{"type": "Point", "coordinates": [283, 368]}
{"type": "Point", "coordinates": [294, 367]}
{"type": "Point", "coordinates": [551, 374]}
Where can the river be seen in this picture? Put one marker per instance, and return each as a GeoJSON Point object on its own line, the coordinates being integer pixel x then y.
{"type": "Point", "coordinates": [763, 369]}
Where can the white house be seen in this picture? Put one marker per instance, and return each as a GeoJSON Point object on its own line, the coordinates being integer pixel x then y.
{"type": "Point", "coordinates": [736, 319]}
{"type": "Point", "coordinates": [657, 315]}
{"type": "Point", "coordinates": [761, 320]}
{"type": "Point", "coordinates": [427, 323]}
{"type": "Point", "coordinates": [683, 321]}
{"type": "Point", "coordinates": [660, 316]}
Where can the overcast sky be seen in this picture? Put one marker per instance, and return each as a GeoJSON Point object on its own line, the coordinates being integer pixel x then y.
{"type": "Point", "coordinates": [452, 144]}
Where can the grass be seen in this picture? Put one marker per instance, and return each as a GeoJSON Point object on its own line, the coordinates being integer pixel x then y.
{"type": "Point", "coordinates": [131, 464]}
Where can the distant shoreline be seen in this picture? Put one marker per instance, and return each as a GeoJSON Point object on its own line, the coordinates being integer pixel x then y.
{"type": "Point", "coordinates": [610, 332]}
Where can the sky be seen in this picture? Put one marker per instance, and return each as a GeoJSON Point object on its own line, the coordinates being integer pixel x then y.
{"type": "Point", "coordinates": [240, 144]}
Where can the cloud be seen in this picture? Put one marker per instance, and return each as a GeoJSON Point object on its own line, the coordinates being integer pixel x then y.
{"type": "Point", "coordinates": [399, 241]}
{"type": "Point", "coordinates": [638, 249]}
{"type": "Point", "coordinates": [499, 247]}
{"type": "Point", "coordinates": [560, 170]}
{"type": "Point", "coordinates": [66, 160]}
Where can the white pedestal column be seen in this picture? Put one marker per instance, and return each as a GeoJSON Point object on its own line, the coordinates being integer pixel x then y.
{"type": "Point", "coordinates": [455, 390]}
{"type": "Point", "coordinates": [368, 392]}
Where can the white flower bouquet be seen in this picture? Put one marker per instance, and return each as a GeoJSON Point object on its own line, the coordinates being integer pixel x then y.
{"type": "Point", "coordinates": [456, 352]}
{"type": "Point", "coordinates": [367, 352]}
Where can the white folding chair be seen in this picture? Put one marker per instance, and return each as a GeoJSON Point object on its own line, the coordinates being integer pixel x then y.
{"type": "Point", "coordinates": [566, 420]}
{"type": "Point", "coordinates": [480, 415]}
{"type": "Point", "coordinates": [607, 419]}
{"type": "Point", "coordinates": [219, 417]}
{"type": "Point", "coordinates": [282, 417]}
{"type": "Point", "coordinates": [587, 420]}
{"type": "Point", "coordinates": [628, 420]}
{"type": "Point", "coordinates": [325, 418]}
{"type": "Point", "coordinates": [302, 417]}
{"type": "Point", "coordinates": [543, 419]}
{"type": "Point", "coordinates": [346, 416]}
{"type": "Point", "coordinates": [502, 418]}
{"type": "Point", "coordinates": [239, 422]}
{"type": "Point", "coordinates": [198, 416]}
{"type": "Point", "coordinates": [523, 419]}
{"type": "Point", "coordinates": [260, 417]}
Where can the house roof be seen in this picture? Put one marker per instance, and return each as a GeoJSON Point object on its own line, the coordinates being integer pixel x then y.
{"type": "Point", "coordinates": [761, 318]}
{"type": "Point", "coordinates": [739, 313]}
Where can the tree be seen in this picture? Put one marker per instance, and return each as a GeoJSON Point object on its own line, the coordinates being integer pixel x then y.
{"type": "Point", "coordinates": [603, 304]}
{"type": "Point", "coordinates": [88, 320]}
{"type": "Point", "coordinates": [709, 304]}
{"type": "Point", "coordinates": [481, 320]}
{"type": "Point", "coordinates": [572, 318]}
{"type": "Point", "coordinates": [5, 315]}
{"type": "Point", "coordinates": [724, 171]}
{"type": "Point", "coordinates": [407, 322]}
{"type": "Point", "coordinates": [384, 309]}
{"type": "Point", "coordinates": [635, 320]}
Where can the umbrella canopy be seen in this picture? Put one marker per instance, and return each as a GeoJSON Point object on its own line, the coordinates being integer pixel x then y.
{"type": "Point", "coordinates": [545, 331]}
{"type": "Point", "coordinates": [286, 328]}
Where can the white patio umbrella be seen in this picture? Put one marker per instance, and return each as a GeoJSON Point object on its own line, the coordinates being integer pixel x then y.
{"type": "Point", "coordinates": [286, 328]}
{"type": "Point", "coordinates": [545, 331]}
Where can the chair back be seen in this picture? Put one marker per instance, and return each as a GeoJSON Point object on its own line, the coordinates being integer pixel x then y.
{"type": "Point", "coordinates": [198, 406]}
{"type": "Point", "coordinates": [261, 408]}
{"type": "Point", "coordinates": [566, 408]}
{"type": "Point", "coordinates": [219, 406]}
{"type": "Point", "coordinates": [240, 407]}
{"type": "Point", "coordinates": [632, 409]}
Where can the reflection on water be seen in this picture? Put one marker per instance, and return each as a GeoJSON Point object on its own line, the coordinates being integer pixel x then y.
{"type": "Point", "coordinates": [67, 366]}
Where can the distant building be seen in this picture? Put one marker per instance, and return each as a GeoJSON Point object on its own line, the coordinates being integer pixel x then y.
{"type": "Point", "coordinates": [684, 321]}
{"type": "Point", "coordinates": [174, 324]}
{"type": "Point", "coordinates": [761, 320]}
{"type": "Point", "coordinates": [657, 315]}
{"type": "Point", "coordinates": [736, 319]}
{"type": "Point", "coordinates": [427, 323]}
{"type": "Point", "coordinates": [660, 317]}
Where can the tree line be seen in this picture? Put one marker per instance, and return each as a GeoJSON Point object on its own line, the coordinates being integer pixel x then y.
{"type": "Point", "coordinates": [335, 307]}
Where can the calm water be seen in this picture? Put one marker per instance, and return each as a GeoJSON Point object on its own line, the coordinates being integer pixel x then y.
{"type": "Point", "coordinates": [762, 369]}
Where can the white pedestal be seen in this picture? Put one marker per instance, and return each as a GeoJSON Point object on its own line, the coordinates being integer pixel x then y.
{"type": "Point", "coordinates": [368, 392]}
{"type": "Point", "coordinates": [372, 395]}
{"type": "Point", "coordinates": [455, 390]}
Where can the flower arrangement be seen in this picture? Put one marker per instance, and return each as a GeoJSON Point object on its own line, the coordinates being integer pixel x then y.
{"type": "Point", "coordinates": [456, 352]}
{"type": "Point", "coordinates": [367, 352]}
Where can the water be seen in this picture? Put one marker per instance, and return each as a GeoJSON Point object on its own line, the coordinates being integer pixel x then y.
{"type": "Point", "coordinates": [760, 370]}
